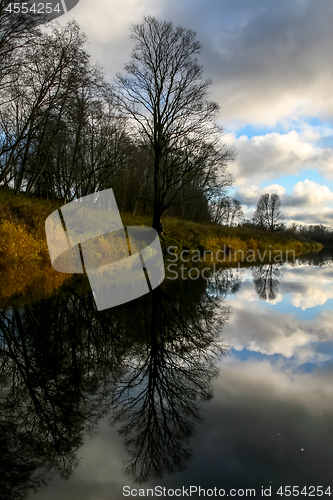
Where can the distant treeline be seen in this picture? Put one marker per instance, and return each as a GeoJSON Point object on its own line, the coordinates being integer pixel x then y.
{"type": "Point", "coordinates": [320, 233]}
{"type": "Point", "coordinates": [316, 232]}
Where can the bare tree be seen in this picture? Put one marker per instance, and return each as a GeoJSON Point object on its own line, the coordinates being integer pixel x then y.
{"type": "Point", "coordinates": [59, 136]}
{"type": "Point", "coordinates": [266, 280]}
{"type": "Point", "coordinates": [53, 66]}
{"type": "Point", "coordinates": [165, 96]}
{"type": "Point", "coordinates": [16, 32]}
{"type": "Point", "coordinates": [268, 214]}
{"type": "Point", "coordinates": [227, 211]}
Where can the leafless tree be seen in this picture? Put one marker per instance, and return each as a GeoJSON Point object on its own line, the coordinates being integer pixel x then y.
{"type": "Point", "coordinates": [59, 134]}
{"type": "Point", "coordinates": [227, 211]}
{"type": "Point", "coordinates": [165, 96]}
{"type": "Point", "coordinates": [268, 214]}
{"type": "Point", "coordinates": [16, 32]}
{"type": "Point", "coordinates": [37, 94]}
{"type": "Point", "coordinates": [266, 280]}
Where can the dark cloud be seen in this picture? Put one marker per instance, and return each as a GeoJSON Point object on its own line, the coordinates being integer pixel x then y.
{"type": "Point", "coordinates": [262, 54]}
{"type": "Point", "coordinates": [267, 59]}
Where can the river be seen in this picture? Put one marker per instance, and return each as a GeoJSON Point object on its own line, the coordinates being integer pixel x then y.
{"type": "Point", "coordinates": [223, 384]}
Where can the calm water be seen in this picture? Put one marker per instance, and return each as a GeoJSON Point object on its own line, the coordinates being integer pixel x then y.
{"type": "Point", "coordinates": [223, 383]}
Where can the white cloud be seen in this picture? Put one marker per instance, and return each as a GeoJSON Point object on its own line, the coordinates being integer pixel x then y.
{"type": "Point", "coordinates": [311, 296]}
{"type": "Point", "coordinates": [255, 331]}
{"type": "Point", "coordinates": [303, 273]}
{"type": "Point", "coordinates": [274, 62]}
{"type": "Point", "coordinates": [107, 25]}
{"type": "Point", "coordinates": [313, 391]}
{"type": "Point", "coordinates": [250, 195]}
{"type": "Point", "coordinates": [260, 328]}
{"type": "Point", "coordinates": [268, 332]}
{"type": "Point", "coordinates": [310, 202]}
{"type": "Point", "coordinates": [273, 155]}
{"type": "Point", "coordinates": [245, 294]}
{"type": "Point", "coordinates": [310, 193]}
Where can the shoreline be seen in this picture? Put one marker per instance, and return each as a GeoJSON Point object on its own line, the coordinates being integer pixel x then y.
{"type": "Point", "coordinates": [25, 262]}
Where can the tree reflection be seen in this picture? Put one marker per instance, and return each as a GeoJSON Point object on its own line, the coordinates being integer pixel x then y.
{"type": "Point", "coordinates": [158, 399]}
{"type": "Point", "coordinates": [63, 365]}
{"type": "Point", "coordinates": [47, 373]}
{"type": "Point", "coordinates": [266, 280]}
{"type": "Point", "coordinates": [322, 258]}
{"type": "Point", "coordinates": [226, 281]}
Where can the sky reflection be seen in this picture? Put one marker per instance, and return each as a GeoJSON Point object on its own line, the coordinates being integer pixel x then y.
{"type": "Point", "coordinates": [271, 418]}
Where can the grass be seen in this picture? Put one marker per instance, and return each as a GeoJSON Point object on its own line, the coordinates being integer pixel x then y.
{"type": "Point", "coordinates": [25, 267]}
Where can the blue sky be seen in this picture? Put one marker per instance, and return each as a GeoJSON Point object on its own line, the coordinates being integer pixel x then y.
{"type": "Point", "coordinates": [272, 71]}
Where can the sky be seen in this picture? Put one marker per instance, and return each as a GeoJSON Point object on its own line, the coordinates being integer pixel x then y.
{"type": "Point", "coordinates": [272, 70]}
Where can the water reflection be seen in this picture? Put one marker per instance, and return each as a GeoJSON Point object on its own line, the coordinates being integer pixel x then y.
{"type": "Point", "coordinates": [225, 282]}
{"type": "Point", "coordinates": [266, 279]}
{"type": "Point", "coordinates": [322, 258]}
{"type": "Point", "coordinates": [148, 365]}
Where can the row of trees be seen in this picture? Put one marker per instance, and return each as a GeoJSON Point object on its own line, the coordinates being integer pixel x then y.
{"type": "Point", "coordinates": [317, 232]}
{"type": "Point", "coordinates": [59, 135]}
{"type": "Point", "coordinates": [151, 136]}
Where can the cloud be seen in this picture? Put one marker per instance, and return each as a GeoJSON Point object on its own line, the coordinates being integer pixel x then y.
{"type": "Point", "coordinates": [263, 329]}
{"type": "Point", "coordinates": [311, 297]}
{"type": "Point", "coordinates": [303, 273]}
{"type": "Point", "coordinates": [258, 333]}
{"type": "Point", "coordinates": [310, 216]}
{"type": "Point", "coordinates": [107, 25]}
{"type": "Point", "coordinates": [273, 60]}
{"type": "Point", "coordinates": [310, 194]}
{"type": "Point", "coordinates": [310, 202]}
{"type": "Point", "coordinates": [305, 290]}
{"type": "Point", "coordinates": [245, 294]}
{"type": "Point", "coordinates": [267, 60]}
{"type": "Point", "coordinates": [266, 331]}
{"type": "Point", "coordinates": [273, 155]}
{"type": "Point", "coordinates": [249, 195]}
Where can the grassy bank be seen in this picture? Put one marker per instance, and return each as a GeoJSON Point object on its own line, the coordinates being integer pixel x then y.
{"type": "Point", "coordinates": [236, 241]}
{"type": "Point", "coordinates": [25, 263]}
{"type": "Point", "coordinates": [185, 235]}
{"type": "Point", "coordinates": [25, 266]}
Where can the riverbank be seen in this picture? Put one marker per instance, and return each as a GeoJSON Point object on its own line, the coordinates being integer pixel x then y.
{"type": "Point", "coordinates": [24, 257]}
